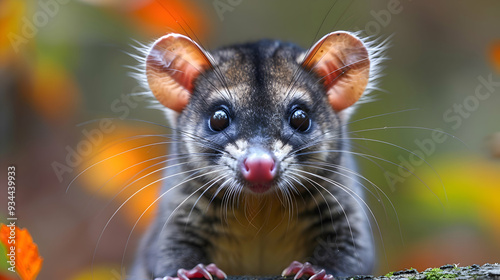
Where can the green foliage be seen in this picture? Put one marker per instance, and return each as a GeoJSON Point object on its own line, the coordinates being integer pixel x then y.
{"type": "Point", "coordinates": [438, 274]}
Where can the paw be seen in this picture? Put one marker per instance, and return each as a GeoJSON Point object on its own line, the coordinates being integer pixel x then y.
{"type": "Point", "coordinates": [306, 268]}
{"type": "Point", "coordinates": [199, 271]}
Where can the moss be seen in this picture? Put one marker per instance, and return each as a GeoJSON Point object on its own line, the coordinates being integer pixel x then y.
{"type": "Point", "coordinates": [390, 274]}
{"type": "Point", "coordinates": [438, 274]}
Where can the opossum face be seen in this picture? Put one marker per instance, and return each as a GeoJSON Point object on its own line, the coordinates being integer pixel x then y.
{"type": "Point", "coordinates": [257, 117]}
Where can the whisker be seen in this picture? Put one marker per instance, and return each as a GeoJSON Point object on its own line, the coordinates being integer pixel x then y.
{"type": "Point", "coordinates": [331, 195]}
{"type": "Point", "coordinates": [406, 150]}
{"type": "Point", "coordinates": [356, 197]}
{"type": "Point", "coordinates": [187, 180]}
{"type": "Point", "coordinates": [379, 190]}
{"type": "Point", "coordinates": [319, 167]}
{"type": "Point", "coordinates": [187, 134]}
{"type": "Point", "coordinates": [108, 158]}
{"type": "Point", "coordinates": [297, 74]}
{"type": "Point", "coordinates": [214, 181]}
{"type": "Point", "coordinates": [113, 156]}
{"type": "Point", "coordinates": [378, 158]}
{"type": "Point", "coordinates": [314, 198]}
{"type": "Point", "coordinates": [412, 127]}
{"type": "Point", "coordinates": [380, 115]}
{"type": "Point", "coordinates": [170, 157]}
{"type": "Point", "coordinates": [129, 184]}
{"type": "Point", "coordinates": [133, 195]}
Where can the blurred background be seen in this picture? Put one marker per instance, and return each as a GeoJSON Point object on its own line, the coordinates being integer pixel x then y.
{"type": "Point", "coordinates": [83, 142]}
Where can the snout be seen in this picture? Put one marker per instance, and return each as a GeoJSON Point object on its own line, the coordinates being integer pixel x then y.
{"type": "Point", "coordinates": [259, 169]}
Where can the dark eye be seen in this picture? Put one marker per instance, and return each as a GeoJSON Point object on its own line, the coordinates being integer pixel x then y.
{"type": "Point", "coordinates": [219, 120]}
{"type": "Point", "coordinates": [299, 120]}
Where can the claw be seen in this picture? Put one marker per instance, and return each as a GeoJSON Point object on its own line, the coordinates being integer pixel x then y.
{"type": "Point", "coordinates": [199, 271]}
{"type": "Point", "coordinates": [319, 276]}
{"type": "Point", "coordinates": [214, 270]}
{"type": "Point", "coordinates": [306, 268]}
{"type": "Point", "coordinates": [293, 268]}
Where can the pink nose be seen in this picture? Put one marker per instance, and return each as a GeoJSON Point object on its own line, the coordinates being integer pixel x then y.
{"type": "Point", "coordinates": [258, 168]}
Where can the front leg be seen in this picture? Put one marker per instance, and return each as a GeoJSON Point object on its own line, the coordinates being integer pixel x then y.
{"type": "Point", "coordinates": [175, 251]}
{"type": "Point", "coordinates": [347, 252]}
{"type": "Point", "coordinates": [182, 254]}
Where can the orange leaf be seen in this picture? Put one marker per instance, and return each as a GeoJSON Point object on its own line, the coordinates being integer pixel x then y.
{"type": "Point", "coordinates": [495, 54]}
{"type": "Point", "coordinates": [162, 16]}
{"type": "Point", "coordinates": [28, 261]}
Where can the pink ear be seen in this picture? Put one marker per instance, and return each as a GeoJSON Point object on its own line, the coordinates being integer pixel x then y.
{"type": "Point", "coordinates": [173, 64]}
{"type": "Point", "coordinates": [342, 62]}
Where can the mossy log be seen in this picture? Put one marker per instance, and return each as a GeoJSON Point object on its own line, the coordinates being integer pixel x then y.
{"type": "Point", "coordinates": [446, 272]}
